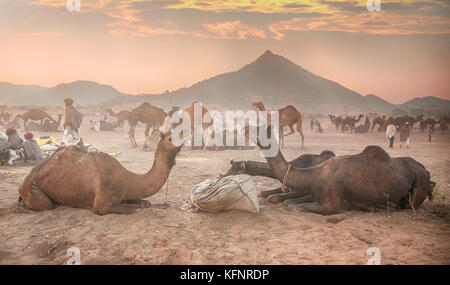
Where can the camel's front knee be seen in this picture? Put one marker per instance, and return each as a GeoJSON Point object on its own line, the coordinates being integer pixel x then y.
{"type": "Point", "coordinates": [35, 200]}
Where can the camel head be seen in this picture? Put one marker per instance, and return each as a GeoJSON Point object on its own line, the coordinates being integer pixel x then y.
{"type": "Point", "coordinates": [165, 144]}
{"type": "Point", "coordinates": [259, 105]}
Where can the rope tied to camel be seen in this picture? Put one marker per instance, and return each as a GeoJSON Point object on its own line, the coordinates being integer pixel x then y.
{"type": "Point", "coordinates": [283, 186]}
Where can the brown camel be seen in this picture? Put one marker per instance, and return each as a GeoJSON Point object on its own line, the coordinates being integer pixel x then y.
{"type": "Point", "coordinates": [351, 121]}
{"type": "Point", "coordinates": [337, 121]}
{"type": "Point", "coordinates": [5, 116]}
{"type": "Point", "coordinates": [95, 180]}
{"type": "Point", "coordinates": [288, 116]}
{"type": "Point", "coordinates": [150, 115]}
{"type": "Point", "coordinates": [34, 115]}
{"type": "Point", "coordinates": [365, 181]}
{"type": "Point", "coordinates": [443, 124]}
{"type": "Point", "coordinates": [108, 127]}
{"type": "Point", "coordinates": [122, 116]}
{"type": "Point", "coordinates": [363, 128]}
{"type": "Point", "coordinates": [378, 121]}
{"type": "Point", "coordinates": [51, 125]}
{"type": "Point", "coordinates": [196, 126]}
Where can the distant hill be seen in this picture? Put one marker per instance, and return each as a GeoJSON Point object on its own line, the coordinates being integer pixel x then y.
{"type": "Point", "coordinates": [82, 92]}
{"type": "Point", "coordinates": [276, 81]}
{"type": "Point", "coordinates": [429, 102]}
{"type": "Point", "coordinates": [271, 78]}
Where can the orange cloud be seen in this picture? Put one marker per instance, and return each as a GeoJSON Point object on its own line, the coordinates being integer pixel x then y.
{"type": "Point", "coordinates": [233, 30]}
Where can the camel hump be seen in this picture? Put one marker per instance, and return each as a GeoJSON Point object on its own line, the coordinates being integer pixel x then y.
{"type": "Point", "coordinates": [376, 153]}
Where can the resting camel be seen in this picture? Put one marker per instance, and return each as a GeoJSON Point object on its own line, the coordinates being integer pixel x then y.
{"type": "Point", "coordinates": [122, 116]}
{"type": "Point", "coordinates": [34, 115]}
{"type": "Point", "coordinates": [378, 121]}
{"type": "Point", "coordinates": [365, 181]}
{"type": "Point", "coordinates": [363, 128]}
{"type": "Point", "coordinates": [337, 121]}
{"type": "Point", "coordinates": [150, 115]}
{"type": "Point", "coordinates": [288, 116]}
{"type": "Point", "coordinates": [351, 121]}
{"type": "Point", "coordinates": [51, 125]}
{"type": "Point", "coordinates": [256, 168]}
{"type": "Point", "coordinates": [95, 180]}
{"type": "Point", "coordinates": [107, 126]}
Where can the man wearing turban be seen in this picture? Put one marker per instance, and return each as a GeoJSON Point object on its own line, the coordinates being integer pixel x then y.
{"type": "Point", "coordinates": [72, 122]}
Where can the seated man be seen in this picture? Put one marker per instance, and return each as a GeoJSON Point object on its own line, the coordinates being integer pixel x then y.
{"type": "Point", "coordinates": [32, 149]}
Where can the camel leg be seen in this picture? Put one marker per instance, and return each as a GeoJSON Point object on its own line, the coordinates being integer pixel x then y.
{"type": "Point", "coordinates": [140, 203]}
{"type": "Point", "coordinates": [275, 198]}
{"type": "Point", "coordinates": [300, 200]}
{"type": "Point", "coordinates": [147, 130]}
{"type": "Point", "coordinates": [131, 136]}
{"type": "Point", "coordinates": [291, 132]}
{"type": "Point", "coordinates": [299, 129]}
{"type": "Point", "coordinates": [35, 199]}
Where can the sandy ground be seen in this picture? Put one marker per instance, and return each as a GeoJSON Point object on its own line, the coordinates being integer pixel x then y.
{"type": "Point", "coordinates": [276, 236]}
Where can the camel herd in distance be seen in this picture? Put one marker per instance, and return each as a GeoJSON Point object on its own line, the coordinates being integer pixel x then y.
{"type": "Point", "coordinates": [153, 118]}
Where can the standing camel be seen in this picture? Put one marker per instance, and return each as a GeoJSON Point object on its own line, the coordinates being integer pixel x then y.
{"type": "Point", "coordinates": [34, 115]}
{"type": "Point", "coordinates": [122, 116]}
{"type": "Point", "coordinates": [378, 121]}
{"type": "Point", "coordinates": [95, 180]}
{"type": "Point", "coordinates": [288, 116]}
{"type": "Point", "coordinates": [351, 121]}
{"type": "Point", "coordinates": [337, 121]}
{"type": "Point", "coordinates": [443, 124]}
{"type": "Point", "coordinates": [150, 115]}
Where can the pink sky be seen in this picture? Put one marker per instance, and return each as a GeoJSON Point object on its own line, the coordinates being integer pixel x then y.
{"type": "Point", "coordinates": [141, 46]}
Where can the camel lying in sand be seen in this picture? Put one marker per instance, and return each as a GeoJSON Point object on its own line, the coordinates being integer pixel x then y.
{"type": "Point", "coordinates": [256, 168]}
{"type": "Point", "coordinates": [95, 180]}
{"type": "Point", "coordinates": [365, 181]}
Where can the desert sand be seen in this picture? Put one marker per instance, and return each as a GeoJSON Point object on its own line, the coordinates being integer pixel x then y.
{"type": "Point", "coordinates": [276, 236]}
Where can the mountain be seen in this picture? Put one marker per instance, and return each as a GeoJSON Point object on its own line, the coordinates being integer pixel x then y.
{"type": "Point", "coordinates": [276, 81]}
{"type": "Point", "coordinates": [82, 92]}
{"type": "Point", "coordinates": [429, 102]}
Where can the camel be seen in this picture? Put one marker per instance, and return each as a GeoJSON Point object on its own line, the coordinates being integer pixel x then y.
{"type": "Point", "coordinates": [363, 128]}
{"type": "Point", "coordinates": [365, 181]}
{"type": "Point", "coordinates": [337, 121]}
{"type": "Point", "coordinates": [51, 125]}
{"type": "Point", "coordinates": [95, 180]}
{"type": "Point", "coordinates": [122, 116]}
{"type": "Point", "coordinates": [34, 115]}
{"type": "Point", "coordinates": [288, 116]}
{"type": "Point", "coordinates": [107, 126]}
{"type": "Point", "coordinates": [351, 121]}
{"type": "Point", "coordinates": [378, 121]}
{"type": "Point", "coordinates": [443, 124]}
{"type": "Point", "coordinates": [150, 115]}
{"type": "Point", "coordinates": [256, 168]}
{"type": "Point", "coordinates": [5, 116]}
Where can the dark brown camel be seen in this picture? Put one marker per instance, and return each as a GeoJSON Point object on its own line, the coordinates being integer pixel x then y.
{"type": "Point", "coordinates": [95, 180]}
{"type": "Point", "coordinates": [443, 124]}
{"type": "Point", "coordinates": [256, 168]}
{"type": "Point", "coordinates": [351, 121]}
{"type": "Point", "coordinates": [288, 116]}
{"type": "Point", "coordinates": [337, 121]}
{"type": "Point", "coordinates": [51, 126]}
{"type": "Point", "coordinates": [365, 181]}
{"type": "Point", "coordinates": [122, 116]}
{"type": "Point", "coordinates": [150, 115]}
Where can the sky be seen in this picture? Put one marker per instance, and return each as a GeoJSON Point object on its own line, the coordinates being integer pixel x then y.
{"type": "Point", "coordinates": [140, 46]}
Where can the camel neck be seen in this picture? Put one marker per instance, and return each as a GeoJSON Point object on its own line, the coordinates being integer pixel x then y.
{"type": "Point", "coordinates": [145, 185]}
{"type": "Point", "coordinates": [299, 179]}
